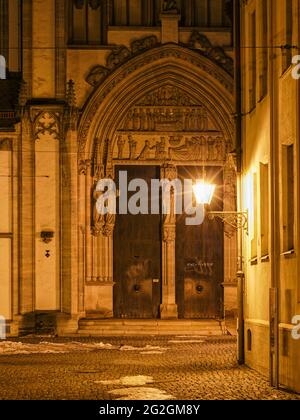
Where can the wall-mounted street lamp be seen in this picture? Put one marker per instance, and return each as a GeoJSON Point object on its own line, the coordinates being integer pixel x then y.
{"type": "Point", "coordinates": [204, 193]}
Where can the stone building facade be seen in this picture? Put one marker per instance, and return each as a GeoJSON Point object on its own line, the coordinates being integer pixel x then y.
{"type": "Point", "coordinates": [270, 133]}
{"type": "Point", "coordinates": [96, 87]}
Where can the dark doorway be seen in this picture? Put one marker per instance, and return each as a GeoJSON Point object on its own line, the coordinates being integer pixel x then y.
{"type": "Point", "coordinates": [199, 256]}
{"type": "Point", "coordinates": [137, 256]}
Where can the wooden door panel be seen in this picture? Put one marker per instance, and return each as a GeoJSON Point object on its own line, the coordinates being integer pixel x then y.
{"type": "Point", "coordinates": [137, 258]}
{"type": "Point", "coordinates": [199, 257]}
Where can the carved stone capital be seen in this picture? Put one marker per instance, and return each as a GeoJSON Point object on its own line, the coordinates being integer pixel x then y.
{"type": "Point", "coordinates": [83, 166]}
{"type": "Point", "coordinates": [108, 230]}
{"type": "Point", "coordinates": [169, 172]}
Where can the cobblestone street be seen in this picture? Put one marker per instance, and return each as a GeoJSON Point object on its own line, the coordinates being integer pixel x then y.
{"type": "Point", "coordinates": [143, 368]}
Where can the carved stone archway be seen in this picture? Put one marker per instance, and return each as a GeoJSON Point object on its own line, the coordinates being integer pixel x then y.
{"type": "Point", "coordinates": [168, 107]}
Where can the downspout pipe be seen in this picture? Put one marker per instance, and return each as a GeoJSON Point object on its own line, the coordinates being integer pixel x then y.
{"type": "Point", "coordinates": [275, 221]}
{"type": "Point", "coordinates": [238, 142]}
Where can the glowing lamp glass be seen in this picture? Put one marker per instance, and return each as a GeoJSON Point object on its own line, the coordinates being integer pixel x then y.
{"type": "Point", "coordinates": [204, 192]}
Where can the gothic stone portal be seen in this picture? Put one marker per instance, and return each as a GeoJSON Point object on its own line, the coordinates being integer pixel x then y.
{"type": "Point", "coordinates": [160, 270]}
{"type": "Point", "coordinates": [158, 267]}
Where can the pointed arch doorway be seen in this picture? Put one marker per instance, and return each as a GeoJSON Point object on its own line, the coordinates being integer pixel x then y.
{"type": "Point", "coordinates": [168, 109]}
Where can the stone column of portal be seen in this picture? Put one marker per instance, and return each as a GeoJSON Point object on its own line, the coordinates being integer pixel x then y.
{"type": "Point", "coordinates": [169, 309]}
{"type": "Point", "coordinates": [99, 281]}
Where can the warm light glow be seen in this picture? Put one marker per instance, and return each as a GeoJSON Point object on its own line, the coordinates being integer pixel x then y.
{"type": "Point", "coordinates": [204, 192]}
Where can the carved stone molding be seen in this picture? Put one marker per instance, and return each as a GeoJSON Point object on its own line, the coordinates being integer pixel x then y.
{"type": "Point", "coordinates": [118, 56]}
{"type": "Point", "coordinates": [99, 281]}
{"type": "Point", "coordinates": [163, 118]}
{"type": "Point", "coordinates": [167, 95]}
{"type": "Point", "coordinates": [143, 44]}
{"type": "Point", "coordinates": [216, 54]}
{"type": "Point", "coordinates": [96, 75]}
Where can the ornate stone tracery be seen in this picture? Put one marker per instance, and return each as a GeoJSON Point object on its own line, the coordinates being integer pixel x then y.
{"type": "Point", "coordinates": [47, 123]}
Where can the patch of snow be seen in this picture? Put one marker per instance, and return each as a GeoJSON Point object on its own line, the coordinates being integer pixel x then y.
{"type": "Point", "coordinates": [147, 348]}
{"type": "Point", "coordinates": [190, 337]}
{"type": "Point", "coordinates": [142, 393]}
{"type": "Point", "coordinates": [186, 341]}
{"type": "Point", "coordinates": [128, 381]}
{"type": "Point", "coordinates": [152, 352]}
{"type": "Point", "coordinates": [11, 347]}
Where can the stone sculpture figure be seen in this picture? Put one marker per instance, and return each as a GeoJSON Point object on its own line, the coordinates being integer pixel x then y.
{"type": "Point", "coordinates": [98, 216]}
{"type": "Point", "coordinates": [170, 6]}
{"type": "Point", "coordinates": [120, 144]}
{"type": "Point", "coordinates": [132, 147]}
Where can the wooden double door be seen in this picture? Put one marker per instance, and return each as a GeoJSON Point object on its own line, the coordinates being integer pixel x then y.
{"type": "Point", "coordinates": [138, 257]}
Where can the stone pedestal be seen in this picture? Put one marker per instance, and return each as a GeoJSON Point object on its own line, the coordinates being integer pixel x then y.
{"type": "Point", "coordinates": [99, 299]}
{"type": "Point", "coordinates": [67, 324]}
{"type": "Point", "coordinates": [168, 311]}
{"type": "Point", "coordinates": [170, 27]}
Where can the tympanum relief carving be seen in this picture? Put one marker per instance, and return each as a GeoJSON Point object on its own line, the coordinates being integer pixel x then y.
{"type": "Point", "coordinates": [169, 125]}
{"type": "Point", "coordinates": [204, 148]}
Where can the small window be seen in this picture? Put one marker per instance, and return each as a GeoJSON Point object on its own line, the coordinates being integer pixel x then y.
{"type": "Point", "coordinates": [249, 340]}
{"type": "Point", "coordinates": [254, 209]}
{"type": "Point", "coordinates": [288, 197]}
{"type": "Point", "coordinates": [264, 209]}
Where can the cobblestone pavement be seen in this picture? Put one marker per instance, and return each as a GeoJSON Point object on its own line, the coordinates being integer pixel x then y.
{"type": "Point", "coordinates": [185, 371]}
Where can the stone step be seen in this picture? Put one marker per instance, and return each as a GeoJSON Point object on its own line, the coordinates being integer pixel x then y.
{"type": "Point", "coordinates": [93, 327]}
{"type": "Point", "coordinates": [112, 333]}
{"type": "Point", "coordinates": [145, 323]}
